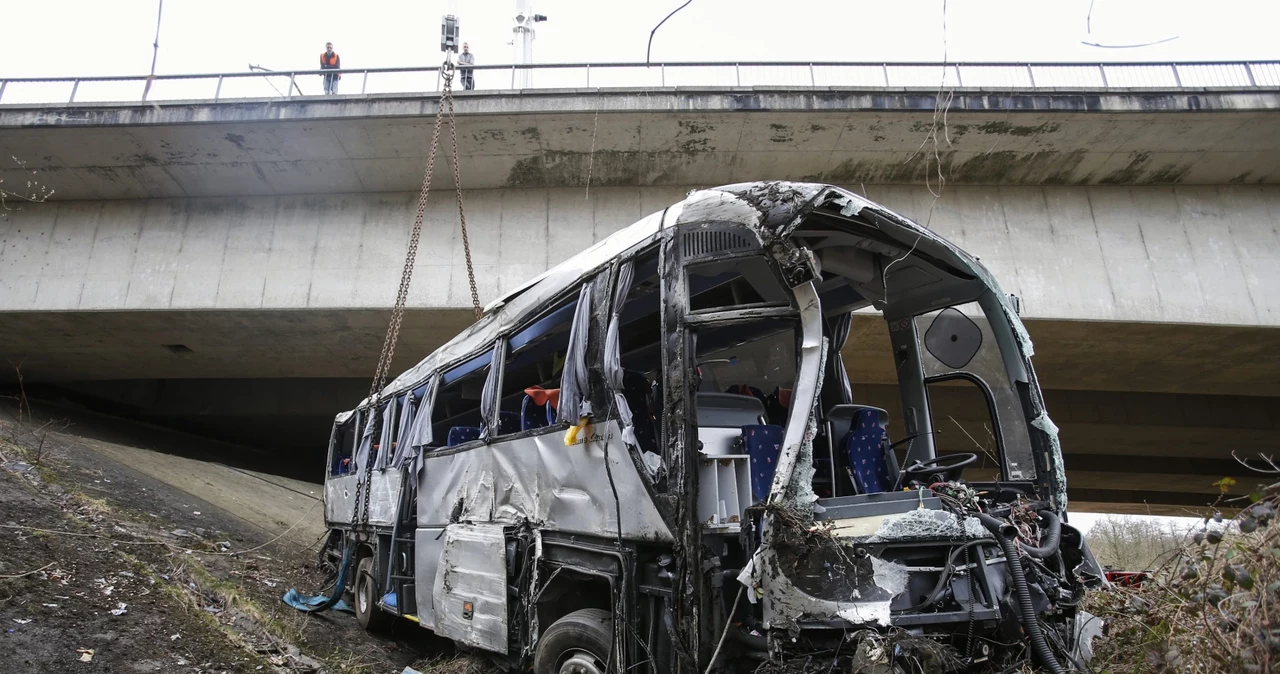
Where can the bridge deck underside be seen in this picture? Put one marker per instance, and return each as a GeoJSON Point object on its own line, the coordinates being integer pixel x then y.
{"type": "Point", "coordinates": [1150, 414]}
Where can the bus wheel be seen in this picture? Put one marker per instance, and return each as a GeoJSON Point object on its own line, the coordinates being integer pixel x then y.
{"type": "Point", "coordinates": [578, 643]}
{"type": "Point", "coordinates": [368, 614]}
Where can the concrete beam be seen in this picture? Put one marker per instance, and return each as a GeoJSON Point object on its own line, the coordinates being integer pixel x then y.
{"type": "Point", "coordinates": [556, 138]}
{"type": "Point", "coordinates": [1155, 254]}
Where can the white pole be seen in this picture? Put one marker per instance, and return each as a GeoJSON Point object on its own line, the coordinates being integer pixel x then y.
{"type": "Point", "coordinates": [522, 40]}
{"type": "Point", "coordinates": [154, 54]}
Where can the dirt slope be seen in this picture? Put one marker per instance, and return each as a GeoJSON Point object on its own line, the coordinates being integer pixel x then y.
{"type": "Point", "coordinates": [190, 548]}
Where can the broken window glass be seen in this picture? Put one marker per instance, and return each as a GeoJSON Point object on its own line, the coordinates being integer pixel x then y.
{"type": "Point", "coordinates": [755, 358]}
{"type": "Point", "coordinates": [531, 377]}
{"type": "Point", "coordinates": [736, 282]}
{"type": "Point", "coordinates": [385, 449]}
{"type": "Point", "coordinates": [962, 423]}
{"type": "Point", "coordinates": [456, 418]}
{"type": "Point", "coordinates": [344, 442]}
{"type": "Point", "coordinates": [640, 321]}
{"type": "Point", "coordinates": [636, 344]}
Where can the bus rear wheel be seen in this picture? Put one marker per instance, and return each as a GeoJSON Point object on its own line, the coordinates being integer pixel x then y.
{"type": "Point", "coordinates": [578, 643]}
{"type": "Point", "coordinates": [370, 617]}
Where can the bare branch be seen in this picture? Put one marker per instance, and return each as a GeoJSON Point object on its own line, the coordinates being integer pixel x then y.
{"type": "Point", "coordinates": [1270, 469]}
{"type": "Point", "coordinates": [33, 192]}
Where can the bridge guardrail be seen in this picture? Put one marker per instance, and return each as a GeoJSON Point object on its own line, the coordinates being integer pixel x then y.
{"type": "Point", "coordinates": [1020, 77]}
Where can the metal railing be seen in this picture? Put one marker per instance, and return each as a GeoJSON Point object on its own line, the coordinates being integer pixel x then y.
{"type": "Point", "coordinates": [1227, 75]}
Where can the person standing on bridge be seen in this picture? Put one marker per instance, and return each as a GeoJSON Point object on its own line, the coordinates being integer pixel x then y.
{"type": "Point", "coordinates": [329, 60]}
{"type": "Point", "coordinates": [466, 58]}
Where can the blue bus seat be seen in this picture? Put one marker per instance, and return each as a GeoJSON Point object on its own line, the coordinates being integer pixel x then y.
{"type": "Point", "coordinates": [508, 423]}
{"type": "Point", "coordinates": [461, 434]}
{"type": "Point", "coordinates": [866, 445]}
{"type": "Point", "coordinates": [763, 445]}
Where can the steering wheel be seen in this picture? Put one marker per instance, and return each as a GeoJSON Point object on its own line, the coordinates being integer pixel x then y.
{"type": "Point", "coordinates": [939, 469]}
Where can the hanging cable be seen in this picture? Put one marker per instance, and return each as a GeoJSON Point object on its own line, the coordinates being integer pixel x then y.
{"type": "Point", "coordinates": [447, 71]}
{"type": "Point", "coordinates": [360, 514]}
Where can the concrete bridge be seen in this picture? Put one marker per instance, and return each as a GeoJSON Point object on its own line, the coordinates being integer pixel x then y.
{"type": "Point", "coordinates": [226, 266]}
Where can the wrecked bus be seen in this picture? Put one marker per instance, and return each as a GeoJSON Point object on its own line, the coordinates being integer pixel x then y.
{"type": "Point", "coordinates": [651, 458]}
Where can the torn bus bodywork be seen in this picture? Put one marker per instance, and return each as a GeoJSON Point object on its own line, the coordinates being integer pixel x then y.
{"type": "Point", "coordinates": [710, 489]}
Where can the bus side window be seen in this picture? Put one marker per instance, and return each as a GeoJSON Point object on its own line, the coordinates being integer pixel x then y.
{"type": "Point", "coordinates": [389, 417]}
{"type": "Point", "coordinates": [531, 376]}
{"type": "Point", "coordinates": [344, 439]}
{"type": "Point", "coordinates": [640, 350]}
{"type": "Point", "coordinates": [456, 418]}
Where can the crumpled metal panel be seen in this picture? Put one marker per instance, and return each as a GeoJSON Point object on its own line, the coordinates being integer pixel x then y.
{"type": "Point", "coordinates": [1045, 424]}
{"type": "Point", "coordinates": [779, 203]}
{"type": "Point", "coordinates": [384, 495]}
{"type": "Point", "coordinates": [539, 479]}
{"type": "Point", "coordinates": [339, 499]}
{"type": "Point", "coordinates": [470, 589]}
{"type": "Point", "coordinates": [718, 206]}
{"type": "Point", "coordinates": [784, 603]}
{"type": "Point", "coordinates": [805, 394]}
{"type": "Point", "coordinates": [779, 213]}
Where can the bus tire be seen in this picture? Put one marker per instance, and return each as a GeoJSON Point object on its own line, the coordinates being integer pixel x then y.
{"type": "Point", "coordinates": [370, 617]}
{"type": "Point", "coordinates": [578, 643]}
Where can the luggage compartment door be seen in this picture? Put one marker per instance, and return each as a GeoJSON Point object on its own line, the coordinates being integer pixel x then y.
{"type": "Point", "coordinates": [469, 591]}
{"type": "Point", "coordinates": [428, 544]}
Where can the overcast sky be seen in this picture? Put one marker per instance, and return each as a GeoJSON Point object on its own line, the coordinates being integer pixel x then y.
{"type": "Point", "coordinates": [91, 37]}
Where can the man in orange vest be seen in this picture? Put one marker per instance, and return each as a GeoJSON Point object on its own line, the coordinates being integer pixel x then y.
{"type": "Point", "coordinates": [329, 61]}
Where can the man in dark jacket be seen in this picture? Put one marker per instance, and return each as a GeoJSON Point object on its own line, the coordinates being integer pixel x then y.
{"type": "Point", "coordinates": [329, 61]}
{"type": "Point", "coordinates": [466, 58]}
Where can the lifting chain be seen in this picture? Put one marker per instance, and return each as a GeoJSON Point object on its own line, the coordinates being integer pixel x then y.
{"type": "Point", "coordinates": [447, 71]}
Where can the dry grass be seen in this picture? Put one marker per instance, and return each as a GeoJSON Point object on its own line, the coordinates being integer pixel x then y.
{"type": "Point", "coordinates": [456, 664]}
{"type": "Point", "coordinates": [1209, 605]}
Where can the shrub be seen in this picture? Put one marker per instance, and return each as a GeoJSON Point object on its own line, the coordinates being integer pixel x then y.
{"type": "Point", "coordinates": [1210, 605]}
